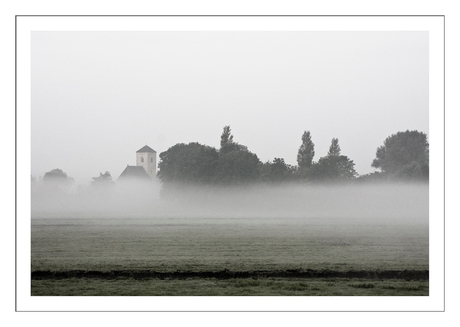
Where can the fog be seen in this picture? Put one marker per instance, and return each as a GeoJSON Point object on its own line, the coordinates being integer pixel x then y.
{"type": "Point", "coordinates": [385, 202]}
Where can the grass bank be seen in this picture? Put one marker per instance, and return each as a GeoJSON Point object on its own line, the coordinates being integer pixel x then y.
{"type": "Point", "coordinates": [231, 283]}
{"type": "Point", "coordinates": [195, 286]}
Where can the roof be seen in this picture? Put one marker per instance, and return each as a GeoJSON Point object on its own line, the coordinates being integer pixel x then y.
{"type": "Point", "coordinates": [146, 148]}
{"type": "Point", "coordinates": [134, 172]}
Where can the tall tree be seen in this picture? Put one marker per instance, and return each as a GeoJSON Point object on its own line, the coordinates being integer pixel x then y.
{"type": "Point", "coordinates": [226, 138]}
{"type": "Point", "coordinates": [404, 155]}
{"type": "Point", "coordinates": [185, 163]}
{"type": "Point", "coordinates": [237, 167]}
{"type": "Point", "coordinates": [332, 168]}
{"type": "Point", "coordinates": [334, 149]}
{"type": "Point", "coordinates": [278, 171]}
{"type": "Point", "coordinates": [226, 142]}
{"type": "Point", "coordinates": [306, 151]}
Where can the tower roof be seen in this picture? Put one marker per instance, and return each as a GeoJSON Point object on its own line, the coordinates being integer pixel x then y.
{"type": "Point", "coordinates": [136, 172]}
{"type": "Point", "coordinates": [146, 148]}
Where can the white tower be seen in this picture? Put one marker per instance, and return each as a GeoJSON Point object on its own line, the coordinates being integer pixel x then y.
{"type": "Point", "coordinates": [147, 158]}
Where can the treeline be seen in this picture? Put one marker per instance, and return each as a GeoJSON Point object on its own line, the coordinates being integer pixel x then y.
{"type": "Point", "coordinates": [57, 180]}
{"type": "Point", "coordinates": [403, 156]}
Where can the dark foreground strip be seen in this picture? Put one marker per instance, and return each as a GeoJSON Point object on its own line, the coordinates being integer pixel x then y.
{"type": "Point", "coordinates": [226, 274]}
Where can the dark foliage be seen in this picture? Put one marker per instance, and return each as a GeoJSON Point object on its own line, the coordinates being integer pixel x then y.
{"type": "Point", "coordinates": [277, 171]}
{"type": "Point", "coordinates": [306, 152]}
{"type": "Point", "coordinates": [237, 166]}
{"type": "Point", "coordinates": [186, 163]}
{"type": "Point", "coordinates": [404, 155]}
{"type": "Point", "coordinates": [333, 168]}
{"type": "Point", "coordinates": [334, 149]}
{"type": "Point", "coordinates": [226, 142]}
{"type": "Point", "coordinates": [196, 163]}
{"type": "Point", "coordinates": [372, 177]}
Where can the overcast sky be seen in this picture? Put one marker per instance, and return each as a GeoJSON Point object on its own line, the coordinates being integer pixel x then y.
{"type": "Point", "coordinates": [98, 97]}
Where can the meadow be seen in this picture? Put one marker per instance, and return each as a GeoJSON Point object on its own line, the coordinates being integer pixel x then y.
{"type": "Point", "coordinates": [264, 246]}
{"type": "Point", "coordinates": [229, 287]}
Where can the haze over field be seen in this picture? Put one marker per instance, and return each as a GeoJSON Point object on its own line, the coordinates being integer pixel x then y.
{"type": "Point", "coordinates": [97, 97]}
{"type": "Point", "coordinates": [378, 203]}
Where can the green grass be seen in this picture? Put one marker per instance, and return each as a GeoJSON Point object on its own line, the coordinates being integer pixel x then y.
{"type": "Point", "coordinates": [228, 287]}
{"type": "Point", "coordinates": [361, 285]}
{"type": "Point", "coordinates": [207, 245]}
{"type": "Point", "coordinates": [217, 244]}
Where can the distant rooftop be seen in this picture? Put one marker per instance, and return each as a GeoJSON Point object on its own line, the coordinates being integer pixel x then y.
{"type": "Point", "coordinates": [146, 148]}
{"type": "Point", "coordinates": [136, 172]}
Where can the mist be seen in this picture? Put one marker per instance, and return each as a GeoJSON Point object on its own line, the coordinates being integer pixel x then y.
{"type": "Point", "coordinates": [373, 202]}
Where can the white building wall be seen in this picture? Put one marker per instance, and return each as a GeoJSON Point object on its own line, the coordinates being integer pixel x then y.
{"type": "Point", "coordinates": [148, 160]}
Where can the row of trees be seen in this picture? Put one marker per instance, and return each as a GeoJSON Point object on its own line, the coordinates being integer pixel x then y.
{"type": "Point", "coordinates": [56, 180]}
{"type": "Point", "coordinates": [402, 156]}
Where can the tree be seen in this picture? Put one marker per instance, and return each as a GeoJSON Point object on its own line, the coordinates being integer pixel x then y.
{"type": "Point", "coordinates": [236, 167]}
{"type": "Point", "coordinates": [277, 171]}
{"type": "Point", "coordinates": [103, 180]}
{"type": "Point", "coordinates": [186, 163]}
{"type": "Point", "coordinates": [333, 168]}
{"type": "Point", "coordinates": [306, 151]}
{"type": "Point", "coordinates": [226, 138]}
{"type": "Point", "coordinates": [334, 149]}
{"type": "Point", "coordinates": [236, 163]}
{"type": "Point", "coordinates": [404, 155]}
{"type": "Point", "coordinates": [56, 179]}
{"type": "Point", "coordinates": [373, 177]}
{"type": "Point", "coordinates": [226, 142]}
{"type": "Point", "coordinates": [55, 175]}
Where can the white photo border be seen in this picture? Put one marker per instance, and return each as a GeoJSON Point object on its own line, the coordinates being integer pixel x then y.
{"type": "Point", "coordinates": [433, 24]}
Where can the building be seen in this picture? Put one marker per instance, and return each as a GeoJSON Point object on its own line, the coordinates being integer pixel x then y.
{"type": "Point", "coordinates": [147, 157]}
{"type": "Point", "coordinates": [146, 161]}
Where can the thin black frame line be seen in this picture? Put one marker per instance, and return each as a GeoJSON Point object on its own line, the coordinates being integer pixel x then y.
{"type": "Point", "coordinates": [444, 194]}
{"type": "Point", "coordinates": [15, 163]}
{"type": "Point", "coordinates": [444, 153]}
{"type": "Point", "coordinates": [221, 311]}
{"type": "Point", "coordinates": [230, 15]}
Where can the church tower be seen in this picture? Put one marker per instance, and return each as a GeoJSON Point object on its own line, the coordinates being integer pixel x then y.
{"type": "Point", "coordinates": [147, 157]}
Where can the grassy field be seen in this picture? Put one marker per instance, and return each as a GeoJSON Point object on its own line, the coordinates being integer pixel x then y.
{"type": "Point", "coordinates": [238, 245]}
{"type": "Point", "coordinates": [229, 287]}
